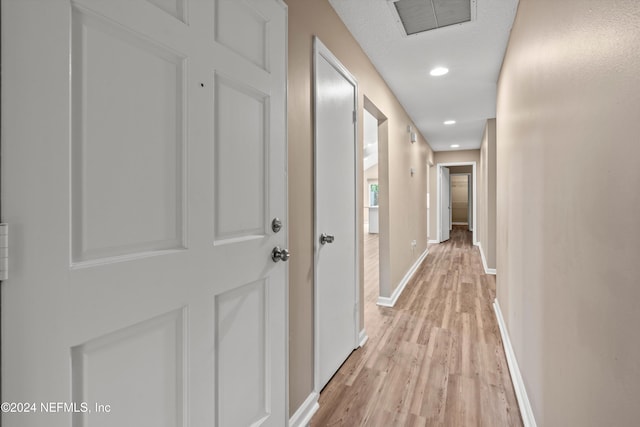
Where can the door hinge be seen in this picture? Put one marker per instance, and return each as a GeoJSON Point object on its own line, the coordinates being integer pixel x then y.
{"type": "Point", "coordinates": [355, 117]}
{"type": "Point", "coordinates": [4, 251]}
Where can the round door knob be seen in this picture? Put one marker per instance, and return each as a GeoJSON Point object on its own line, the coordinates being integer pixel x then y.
{"type": "Point", "coordinates": [278, 254]}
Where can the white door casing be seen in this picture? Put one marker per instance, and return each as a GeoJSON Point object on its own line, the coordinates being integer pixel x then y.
{"type": "Point", "coordinates": [143, 159]}
{"type": "Point", "coordinates": [445, 203]}
{"type": "Point", "coordinates": [336, 193]}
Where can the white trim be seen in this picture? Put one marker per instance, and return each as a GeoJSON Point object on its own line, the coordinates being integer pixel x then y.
{"type": "Point", "coordinates": [487, 270]}
{"type": "Point", "coordinates": [305, 412]}
{"type": "Point", "coordinates": [391, 301]}
{"type": "Point", "coordinates": [363, 337]}
{"type": "Point", "coordinates": [284, 5]}
{"type": "Point", "coordinates": [475, 200]}
{"type": "Point", "coordinates": [320, 50]}
{"type": "Point", "coordinates": [433, 241]}
{"type": "Point", "coordinates": [526, 412]}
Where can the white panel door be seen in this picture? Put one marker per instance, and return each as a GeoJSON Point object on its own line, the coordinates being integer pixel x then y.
{"type": "Point", "coordinates": [336, 260]}
{"type": "Point", "coordinates": [143, 160]}
{"type": "Point", "coordinates": [445, 203]}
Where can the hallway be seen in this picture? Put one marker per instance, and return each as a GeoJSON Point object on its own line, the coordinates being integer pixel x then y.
{"type": "Point", "coordinates": [436, 358]}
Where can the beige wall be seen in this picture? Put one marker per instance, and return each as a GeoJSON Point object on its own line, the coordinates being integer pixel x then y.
{"type": "Point", "coordinates": [487, 194]}
{"type": "Point", "coordinates": [444, 157]}
{"type": "Point", "coordinates": [406, 195]}
{"type": "Point", "coordinates": [568, 249]}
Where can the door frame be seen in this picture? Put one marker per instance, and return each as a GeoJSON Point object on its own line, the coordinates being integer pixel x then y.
{"type": "Point", "coordinates": [439, 166]}
{"type": "Point", "coordinates": [320, 50]}
{"type": "Point", "coordinates": [384, 251]}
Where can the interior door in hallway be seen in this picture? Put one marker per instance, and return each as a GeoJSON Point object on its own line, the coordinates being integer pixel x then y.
{"type": "Point", "coordinates": [445, 203]}
{"type": "Point", "coordinates": [335, 211]}
{"type": "Point", "coordinates": [143, 161]}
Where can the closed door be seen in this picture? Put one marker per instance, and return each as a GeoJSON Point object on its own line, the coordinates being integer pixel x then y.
{"type": "Point", "coordinates": [335, 275]}
{"type": "Point", "coordinates": [143, 162]}
{"type": "Point", "coordinates": [445, 203]}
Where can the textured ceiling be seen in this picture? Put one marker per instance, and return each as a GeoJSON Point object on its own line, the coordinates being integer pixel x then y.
{"type": "Point", "coordinates": [472, 51]}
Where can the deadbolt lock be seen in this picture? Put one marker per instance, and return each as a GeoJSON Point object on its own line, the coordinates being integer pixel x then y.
{"type": "Point", "coordinates": [326, 238]}
{"type": "Point", "coordinates": [276, 225]}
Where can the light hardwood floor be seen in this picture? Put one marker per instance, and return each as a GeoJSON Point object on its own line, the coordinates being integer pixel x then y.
{"type": "Point", "coordinates": [435, 359]}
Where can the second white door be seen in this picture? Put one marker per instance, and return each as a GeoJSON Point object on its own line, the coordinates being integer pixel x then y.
{"type": "Point", "coordinates": [335, 231]}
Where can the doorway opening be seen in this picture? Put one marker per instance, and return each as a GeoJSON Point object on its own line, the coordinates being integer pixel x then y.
{"type": "Point", "coordinates": [445, 173]}
{"type": "Point", "coordinates": [429, 167]}
{"type": "Point", "coordinates": [375, 181]}
{"type": "Point", "coordinates": [371, 204]}
{"type": "Point", "coordinates": [461, 192]}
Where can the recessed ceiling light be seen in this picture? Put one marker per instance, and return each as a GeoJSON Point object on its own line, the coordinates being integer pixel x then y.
{"type": "Point", "coordinates": [439, 71]}
{"type": "Point", "coordinates": [455, 145]}
{"type": "Point", "coordinates": [450, 122]}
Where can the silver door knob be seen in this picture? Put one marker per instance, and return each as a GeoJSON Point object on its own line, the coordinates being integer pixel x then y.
{"type": "Point", "coordinates": [278, 254]}
{"type": "Point", "coordinates": [326, 238]}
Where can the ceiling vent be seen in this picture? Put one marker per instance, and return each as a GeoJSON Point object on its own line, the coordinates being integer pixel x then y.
{"type": "Point", "coordinates": [418, 16]}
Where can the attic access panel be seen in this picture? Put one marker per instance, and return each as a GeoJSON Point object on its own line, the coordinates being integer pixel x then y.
{"type": "Point", "coordinates": [418, 16]}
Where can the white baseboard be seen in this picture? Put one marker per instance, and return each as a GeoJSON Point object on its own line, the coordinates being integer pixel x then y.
{"type": "Point", "coordinates": [391, 301]}
{"type": "Point", "coordinates": [484, 260]}
{"type": "Point", "coordinates": [459, 223]}
{"type": "Point", "coordinates": [362, 339]}
{"type": "Point", "coordinates": [305, 412]}
{"type": "Point", "coordinates": [433, 241]}
{"type": "Point", "coordinates": [516, 377]}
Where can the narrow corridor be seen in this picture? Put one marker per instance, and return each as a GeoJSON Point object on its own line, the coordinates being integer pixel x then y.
{"type": "Point", "coordinates": [436, 358]}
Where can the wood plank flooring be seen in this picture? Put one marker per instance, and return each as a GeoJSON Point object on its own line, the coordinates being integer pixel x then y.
{"type": "Point", "coordinates": [435, 359]}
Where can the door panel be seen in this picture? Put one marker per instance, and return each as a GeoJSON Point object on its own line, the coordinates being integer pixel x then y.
{"type": "Point", "coordinates": [142, 363]}
{"type": "Point", "coordinates": [241, 122]}
{"type": "Point", "coordinates": [241, 354]}
{"type": "Point", "coordinates": [245, 29]}
{"type": "Point", "coordinates": [143, 159]}
{"type": "Point", "coordinates": [126, 119]}
{"type": "Point", "coordinates": [175, 8]}
{"type": "Point", "coordinates": [336, 280]}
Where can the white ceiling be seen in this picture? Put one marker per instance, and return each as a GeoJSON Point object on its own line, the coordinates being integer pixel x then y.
{"type": "Point", "coordinates": [472, 51]}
